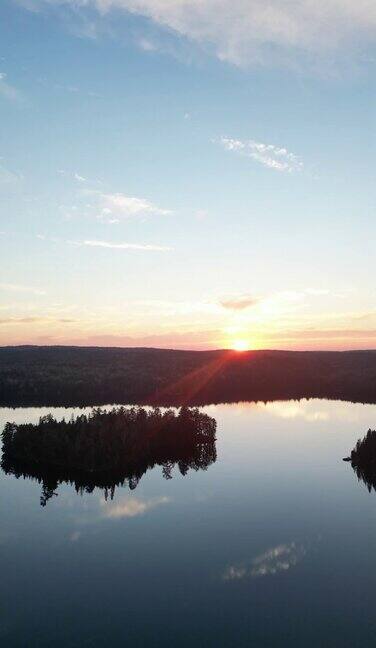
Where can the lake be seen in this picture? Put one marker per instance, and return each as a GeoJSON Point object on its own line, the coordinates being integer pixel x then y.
{"type": "Point", "coordinates": [273, 545]}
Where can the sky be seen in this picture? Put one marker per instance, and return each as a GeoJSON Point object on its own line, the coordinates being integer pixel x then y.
{"type": "Point", "coordinates": [192, 174]}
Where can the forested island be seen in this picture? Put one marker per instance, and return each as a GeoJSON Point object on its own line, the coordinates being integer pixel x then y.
{"type": "Point", "coordinates": [78, 376]}
{"type": "Point", "coordinates": [106, 449]}
{"type": "Point", "coordinates": [363, 460]}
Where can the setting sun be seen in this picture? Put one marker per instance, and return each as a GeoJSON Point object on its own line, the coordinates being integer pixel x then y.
{"type": "Point", "coordinates": [240, 345]}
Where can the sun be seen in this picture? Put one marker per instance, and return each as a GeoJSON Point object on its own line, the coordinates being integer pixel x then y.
{"type": "Point", "coordinates": [240, 345]}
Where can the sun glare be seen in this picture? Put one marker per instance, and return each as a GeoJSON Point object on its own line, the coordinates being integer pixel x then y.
{"type": "Point", "coordinates": [240, 345]}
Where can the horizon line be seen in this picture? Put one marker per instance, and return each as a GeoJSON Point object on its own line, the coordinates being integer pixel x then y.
{"type": "Point", "coordinates": [188, 350]}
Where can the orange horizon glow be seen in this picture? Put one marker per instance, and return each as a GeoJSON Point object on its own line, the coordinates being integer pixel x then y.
{"type": "Point", "coordinates": [235, 338]}
{"type": "Point", "coordinates": [240, 345]}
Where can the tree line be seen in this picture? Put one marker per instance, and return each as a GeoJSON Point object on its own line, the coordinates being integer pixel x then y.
{"type": "Point", "coordinates": [74, 376]}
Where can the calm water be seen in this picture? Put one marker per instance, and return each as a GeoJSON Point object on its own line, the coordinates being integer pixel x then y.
{"type": "Point", "coordinates": [273, 545]}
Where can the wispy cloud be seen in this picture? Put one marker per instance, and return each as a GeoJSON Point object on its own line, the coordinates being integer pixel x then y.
{"type": "Point", "coordinates": [268, 155]}
{"type": "Point", "coordinates": [245, 32]}
{"type": "Point", "coordinates": [279, 302]}
{"type": "Point", "coordinates": [79, 178]}
{"type": "Point", "coordinates": [108, 207]}
{"type": "Point", "coordinates": [113, 207]}
{"type": "Point", "coordinates": [111, 245]}
{"type": "Point", "coordinates": [239, 303]}
{"type": "Point", "coordinates": [126, 246]}
{"type": "Point", "coordinates": [22, 289]}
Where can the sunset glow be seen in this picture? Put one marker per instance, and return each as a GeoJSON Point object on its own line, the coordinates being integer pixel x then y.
{"type": "Point", "coordinates": [103, 240]}
{"type": "Point", "coordinates": [240, 345]}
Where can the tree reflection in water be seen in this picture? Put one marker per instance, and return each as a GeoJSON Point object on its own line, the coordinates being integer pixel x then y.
{"type": "Point", "coordinates": [107, 449]}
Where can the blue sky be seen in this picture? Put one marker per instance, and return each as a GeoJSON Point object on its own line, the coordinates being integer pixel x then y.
{"type": "Point", "coordinates": [187, 174]}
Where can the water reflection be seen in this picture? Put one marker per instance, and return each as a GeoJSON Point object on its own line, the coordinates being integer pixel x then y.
{"type": "Point", "coordinates": [265, 548]}
{"type": "Point", "coordinates": [278, 559]}
{"type": "Point", "coordinates": [307, 410]}
{"type": "Point", "coordinates": [271, 562]}
{"type": "Point", "coordinates": [106, 450]}
{"type": "Point", "coordinates": [130, 508]}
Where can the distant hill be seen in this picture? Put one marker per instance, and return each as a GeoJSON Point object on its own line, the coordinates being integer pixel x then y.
{"type": "Point", "coordinates": [31, 375]}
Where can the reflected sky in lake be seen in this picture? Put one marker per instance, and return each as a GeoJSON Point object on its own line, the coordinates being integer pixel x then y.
{"type": "Point", "coordinates": [273, 545]}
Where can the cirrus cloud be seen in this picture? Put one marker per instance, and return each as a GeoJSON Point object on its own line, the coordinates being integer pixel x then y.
{"type": "Point", "coordinates": [269, 155]}
{"type": "Point", "coordinates": [126, 246]}
{"type": "Point", "coordinates": [113, 207]}
{"type": "Point", "coordinates": [239, 303]}
{"type": "Point", "coordinates": [246, 32]}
